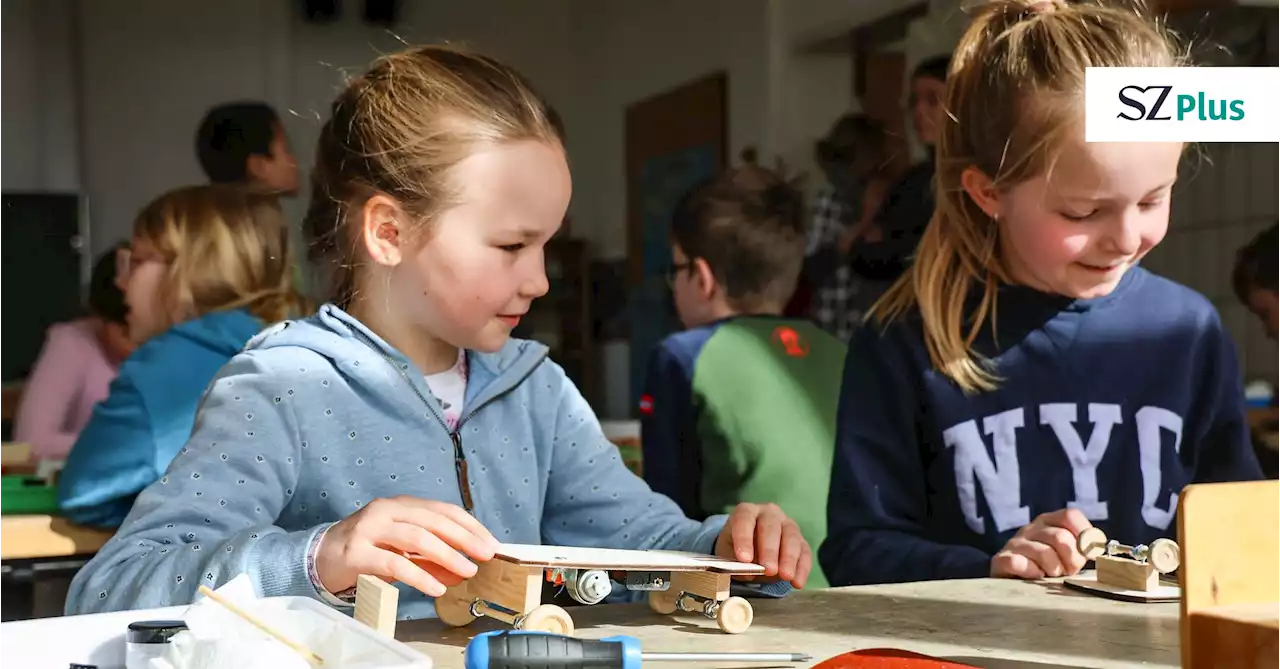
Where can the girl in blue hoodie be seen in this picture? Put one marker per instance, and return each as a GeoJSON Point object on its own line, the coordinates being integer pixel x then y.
{"type": "Point", "coordinates": [207, 267]}
{"type": "Point", "coordinates": [403, 420]}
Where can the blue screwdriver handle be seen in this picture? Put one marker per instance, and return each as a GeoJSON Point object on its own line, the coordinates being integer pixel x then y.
{"type": "Point", "coordinates": [539, 650]}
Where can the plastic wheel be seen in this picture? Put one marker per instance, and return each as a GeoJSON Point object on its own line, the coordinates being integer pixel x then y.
{"type": "Point", "coordinates": [664, 601]}
{"type": "Point", "coordinates": [454, 609]}
{"type": "Point", "coordinates": [1165, 555]}
{"type": "Point", "coordinates": [735, 615]}
{"type": "Point", "coordinates": [1092, 543]}
{"type": "Point", "coordinates": [548, 618]}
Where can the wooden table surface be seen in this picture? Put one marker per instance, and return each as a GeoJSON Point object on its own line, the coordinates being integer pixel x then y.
{"type": "Point", "coordinates": [993, 623]}
{"type": "Point", "coordinates": [39, 536]}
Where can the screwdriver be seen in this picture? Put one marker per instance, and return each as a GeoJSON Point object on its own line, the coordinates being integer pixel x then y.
{"type": "Point", "coordinates": [540, 650]}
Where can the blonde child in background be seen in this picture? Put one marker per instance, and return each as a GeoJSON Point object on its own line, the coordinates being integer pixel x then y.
{"type": "Point", "coordinates": [403, 420]}
{"type": "Point", "coordinates": [208, 266]}
{"type": "Point", "coordinates": [971, 446]}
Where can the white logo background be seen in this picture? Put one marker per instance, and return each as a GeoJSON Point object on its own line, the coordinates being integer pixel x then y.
{"type": "Point", "coordinates": [1257, 87]}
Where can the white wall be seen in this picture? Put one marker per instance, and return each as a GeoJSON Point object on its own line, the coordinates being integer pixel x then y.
{"type": "Point", "coordinates": [150, 74]}
{"type": "Point", "coordinates": [40, 132]}
{"type": "Point", "coordinates": [627, 51]}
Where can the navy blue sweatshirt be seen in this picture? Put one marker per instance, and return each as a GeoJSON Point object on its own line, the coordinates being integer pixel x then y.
{"type": "Point", "coordinates": [1109, 405]}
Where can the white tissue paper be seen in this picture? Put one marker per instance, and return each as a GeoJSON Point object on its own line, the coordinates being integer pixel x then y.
{"type": "Point", "coordinates": [216, 638]}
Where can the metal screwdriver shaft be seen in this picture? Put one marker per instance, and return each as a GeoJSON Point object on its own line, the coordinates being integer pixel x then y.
{"type": "Point", "coordinates": [725, 657]}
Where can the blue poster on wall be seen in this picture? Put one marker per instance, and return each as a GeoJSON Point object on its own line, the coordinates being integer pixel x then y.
{"type": "Point", "coordinates": [664, 180]}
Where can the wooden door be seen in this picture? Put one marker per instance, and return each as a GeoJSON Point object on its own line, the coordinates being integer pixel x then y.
{"type": "Point", "coordinates": [883, 98]}
{"type": "Point", "coordinates": [674, 140]}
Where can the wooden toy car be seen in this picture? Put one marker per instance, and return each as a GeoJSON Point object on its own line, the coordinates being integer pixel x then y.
{"type": "Point", "coordinates": [1127, 572]}
{"type": "Point", "coordinates": [509, 587]}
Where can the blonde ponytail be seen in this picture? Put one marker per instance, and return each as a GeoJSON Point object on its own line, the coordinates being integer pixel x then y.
{"type": "Point", "coordinates": [1014, 98]}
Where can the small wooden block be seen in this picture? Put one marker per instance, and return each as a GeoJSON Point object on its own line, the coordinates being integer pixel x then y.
{"type": "Point", "coordinates": [1126, 573]}
{"type": "Point", "coordinates": [376, 604]}
{"type": "Point", "coordinates": [703, 584]}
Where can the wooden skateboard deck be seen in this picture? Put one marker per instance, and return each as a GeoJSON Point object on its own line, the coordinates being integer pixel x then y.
{"type": "Point", "coordinates": [608, 559]}
{"type": "Point", "coordinates": [1088, 582]}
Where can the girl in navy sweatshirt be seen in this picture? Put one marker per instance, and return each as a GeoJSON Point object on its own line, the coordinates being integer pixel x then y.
{"type": "Point", "coordinates": [970, 445]}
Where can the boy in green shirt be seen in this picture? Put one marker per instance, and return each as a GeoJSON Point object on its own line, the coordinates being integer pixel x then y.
{"type": "Point", "coordinates": [741, 406]}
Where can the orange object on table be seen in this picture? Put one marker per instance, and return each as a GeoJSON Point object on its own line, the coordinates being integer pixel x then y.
{"type": "Point", "coordinates": [888, 658]}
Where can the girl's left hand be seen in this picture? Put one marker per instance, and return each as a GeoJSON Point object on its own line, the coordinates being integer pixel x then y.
{"type": "Point", "coordinates": [763, 534]}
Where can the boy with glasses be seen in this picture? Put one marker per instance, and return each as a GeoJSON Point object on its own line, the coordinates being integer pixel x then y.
{"type": "Point", "coordinates": [741, 405]}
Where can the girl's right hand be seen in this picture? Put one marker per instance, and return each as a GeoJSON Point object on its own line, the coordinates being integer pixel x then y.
{"type": "Point", "coordinates": [1044, 549]}
{"type": "Point", "coordinates": [417, 541]}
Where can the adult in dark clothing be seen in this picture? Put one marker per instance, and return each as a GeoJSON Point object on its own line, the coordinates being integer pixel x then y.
{"type": "Point", "coordinates": [853, 156]}
{"type": "Point", "coordinates": [908, 206]}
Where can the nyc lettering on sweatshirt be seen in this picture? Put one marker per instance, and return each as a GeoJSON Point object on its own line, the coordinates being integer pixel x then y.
{"type": "Point", "coordinates": [1110, 405]}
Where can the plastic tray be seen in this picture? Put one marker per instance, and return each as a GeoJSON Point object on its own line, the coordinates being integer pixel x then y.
{"type": "Point", "coordinates": [98, 639]}
{"type": "Point", "coordinates": [26, 494]}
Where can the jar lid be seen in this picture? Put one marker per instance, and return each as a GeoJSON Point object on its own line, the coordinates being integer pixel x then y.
{"type": "Point", "coordinates": [154, 631]}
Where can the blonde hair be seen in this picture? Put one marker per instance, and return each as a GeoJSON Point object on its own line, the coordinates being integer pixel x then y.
{"type": "Point", "coordinates": [399, 129]}
{"type": "Point", "coordinates": [1014, 98]}
{"type": "Point", "coordinates": [225, 248]}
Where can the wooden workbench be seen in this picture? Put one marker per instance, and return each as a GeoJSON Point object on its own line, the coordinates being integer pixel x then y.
{"type": "Point", "coordinates": [33, 537]}
{"type": "Point", "coordinates": [991, 623]}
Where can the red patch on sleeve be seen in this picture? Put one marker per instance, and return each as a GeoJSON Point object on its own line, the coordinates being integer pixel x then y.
{"type": "Point", "coordinates": [646, 404]}
{"type": "Point", "coordinates": [791, 342]}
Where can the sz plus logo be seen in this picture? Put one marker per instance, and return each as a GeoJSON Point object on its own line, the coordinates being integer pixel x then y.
{"type": "Point", "coordinates": [1160, 103]}
{"type": "Point", "coordinates": [1181, 104]}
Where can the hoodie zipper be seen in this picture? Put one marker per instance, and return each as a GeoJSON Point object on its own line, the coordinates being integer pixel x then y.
{"type": "Point", "coordinates": [455, 435]}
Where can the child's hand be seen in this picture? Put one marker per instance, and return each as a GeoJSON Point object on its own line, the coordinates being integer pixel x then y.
{"type": "Point", "coordinates": [763, 534]}
{"type": "Point", "coordinates": [1045, 548]}
{"type": "Point", "coordinates": [405, 539]}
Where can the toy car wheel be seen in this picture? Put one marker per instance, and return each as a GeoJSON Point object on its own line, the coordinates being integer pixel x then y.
{"type": "Point", "coordinates": [1092, 543]}
{"type": "Point", "coordinates": [1165, 556]}
{"type": "Point", "coordinates": [454, 609]}
{"type": "Point", "coordinates": [548, 618]}
{"type": "Point", "coordinates": [735, 615]}
{"type": "Point", "coordinates": [663, 601]}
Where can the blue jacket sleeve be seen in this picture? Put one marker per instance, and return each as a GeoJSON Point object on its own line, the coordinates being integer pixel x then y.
{"type": "Point", "coordinates": [1225, 448]}
{"type": "Point", "coordinates": [671, 452]}
{"type": "Point", "coordinates": [592, 499]}
{"type": "Point", "coordinates": [211, 516]}
{"type": "Point", "coordinates": [113, 459]}
{"type": "Point", "coordinates": [878, 502]}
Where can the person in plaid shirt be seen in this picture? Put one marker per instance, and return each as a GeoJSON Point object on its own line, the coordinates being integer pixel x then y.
{"type": "Point", "coordinates": [852, 155]}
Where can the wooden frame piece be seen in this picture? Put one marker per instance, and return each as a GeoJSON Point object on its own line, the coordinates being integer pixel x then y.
{"type": "Point", "coordinates": [1230, 574]}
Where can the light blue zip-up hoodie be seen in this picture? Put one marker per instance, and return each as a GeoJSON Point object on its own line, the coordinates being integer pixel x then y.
{"type": "Point", "coordinates": [146, 418]}
{"type": "Point", "coordinates": [319, 417]}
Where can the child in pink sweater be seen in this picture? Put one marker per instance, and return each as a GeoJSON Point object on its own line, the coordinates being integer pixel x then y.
{"type": "Point", "coordinates": [75, 368]}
